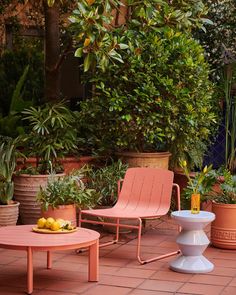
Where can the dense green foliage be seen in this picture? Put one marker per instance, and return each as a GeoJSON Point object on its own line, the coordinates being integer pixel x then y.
{"type": "Point", "coordinates": [104, 181]}
{"type": "Point", "coordinates": [219, 41]}
{"type": "Point", "coordinates": [159, 98]}
{"type": "Point", "coordinates": [93, 21]}
{"type": "Point", "coordinates": [66, 190]}
{"type": "Point", "coordinates": [151, 91]}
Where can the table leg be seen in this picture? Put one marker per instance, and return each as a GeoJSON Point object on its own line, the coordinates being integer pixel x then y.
{"type": "Point", "coordinates": [93, 262]}
{"type": "Point", "coordinates": [49, 260]}
{"type": "Point", "coordinates": [29, 270]}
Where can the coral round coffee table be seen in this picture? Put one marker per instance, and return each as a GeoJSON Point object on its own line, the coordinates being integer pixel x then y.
{"type": "Point", "coordinates": [22, 237]}
{"type": "Point", "coordinates": [192, 242]}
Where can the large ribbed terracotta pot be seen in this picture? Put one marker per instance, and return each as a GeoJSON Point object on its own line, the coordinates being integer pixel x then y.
{"type": "Point", "coordinates": [154, 160]}
{"type": "Point", "coordinates": [66, 212]}
{"type": "Point", "coordinates": [223, 228]}
{"type": "Point", "coordinates": [26, 187]}
{"type": "Point", "coordinates": [9, 214]}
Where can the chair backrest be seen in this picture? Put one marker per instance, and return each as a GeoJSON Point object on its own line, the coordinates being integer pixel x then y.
{"type": "Point", "coordinates": [146, 189]}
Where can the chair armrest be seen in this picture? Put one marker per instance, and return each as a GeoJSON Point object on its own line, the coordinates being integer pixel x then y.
{"type": "Point", "coordinates": [177, 195]}
{"type": "Point", "coordinates": [119, 182]}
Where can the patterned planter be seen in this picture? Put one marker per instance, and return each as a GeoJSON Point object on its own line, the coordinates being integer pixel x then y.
{"type": "Point", "coordinates": [223, 228]}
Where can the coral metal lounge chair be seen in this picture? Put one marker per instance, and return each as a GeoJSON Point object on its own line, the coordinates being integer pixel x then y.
{"type": "Point", "coordinates": [144, 193]}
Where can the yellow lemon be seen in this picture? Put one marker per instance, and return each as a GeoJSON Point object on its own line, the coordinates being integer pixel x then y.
{"type": "Point", "coordinates": [49, 222]}
{"type": "Point", "coordinates": [55, 226]}
{"type": "Point", "coordinates": [41, 222]}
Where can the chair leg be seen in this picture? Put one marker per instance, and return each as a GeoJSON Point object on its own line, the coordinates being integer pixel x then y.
{"type": "Point", "coordinates": [115, 241]}
{"type": "Point", "coordinates": [138, 251]}
{"type": "Point", "coordinates": [141, 261]}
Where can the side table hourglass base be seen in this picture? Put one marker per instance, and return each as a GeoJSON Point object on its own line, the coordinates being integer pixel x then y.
{"type": "Point", "coordinates": [192, 264]}
{"type": "Point", "coordinates": [192, 242]}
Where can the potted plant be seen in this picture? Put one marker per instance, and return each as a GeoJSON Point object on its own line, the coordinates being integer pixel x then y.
{"type": "Point", "coordinates": [223, 228]}
{"type": "Point", "coordinates": [198, 186]}
{"type": "Point", "coordinates": [104, 181]}
{"type": "Point", "coordinates": [9, 209]}
{"type": "Point", "coordinates": [151, 91]}
{"type": "Point", "coordinates": [62, 195]}
{"type": "Point", "coordinates": [49, 138]}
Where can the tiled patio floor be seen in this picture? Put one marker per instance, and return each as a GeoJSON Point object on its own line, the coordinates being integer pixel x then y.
{"type": "Point", "coordinates": [120, 273]}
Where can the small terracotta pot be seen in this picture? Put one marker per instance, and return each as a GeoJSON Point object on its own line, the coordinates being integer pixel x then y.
{"type": "Point", "coordinates": [66, 212]}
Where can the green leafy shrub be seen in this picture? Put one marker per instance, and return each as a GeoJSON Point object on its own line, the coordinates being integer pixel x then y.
{"type": "Point", "coordinates": [159, 98]}
{"type": "Point", "coordinates": [66, 190]}
{"type": "Point", "coordinates": [104, 181]}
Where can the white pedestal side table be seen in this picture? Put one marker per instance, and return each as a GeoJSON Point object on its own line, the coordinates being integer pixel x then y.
{"type": "Point", "coordinates": [192, 242]}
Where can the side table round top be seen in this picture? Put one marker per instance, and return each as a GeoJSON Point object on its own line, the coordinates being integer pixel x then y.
{"type": "Point", "coordinates": [202, 216]}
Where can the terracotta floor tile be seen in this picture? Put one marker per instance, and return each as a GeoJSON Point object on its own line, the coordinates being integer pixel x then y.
{"type": "Point", "coordinates": [120, 281]}
{"type": "Point", "coordinates": [70, 266]}
{"type": "Point", "coordinates": [135, 273]}
{"type": "Point", "coordinates": [75, 258]}
{"type": "Point", "coordinates": [223, 255]}
{"type": "Point", "coordinates": [48, 292]}
{"type": "Point", "coordinates": [147, 292]}
{"type": "Point", "coordinates": [224, 262]}
{"type": "Point", "coordinates": [229, 291]}
{"type": "Point", "coordinates": [210, 279]}
{"type": "Point", "coordinates": [224, 271]}
{"type": "Point", "coordinates": [190, 288]}
{"type": "Point", "coordinates": [233, 282]}
{"type": "Point", "coordinates": [155, 265]}
{"type": "Point", "coordinates": [103, 290]}
{"type": "Point", "coordinates": [14, 253]}
{"type": "Point", "coordinates": [160, 285]}
{"type": "Point", "coordinates": [69, 286]}
{"type": "Point", "coordinates": [12, 290]}
{"type": "Point", "coordinates": [113, 261]}
{"type": "Point", "coordinates": [7, 259]}
{"type": "Point", "coordinates": [170, 275]}
{"type": "Point", "coordinates": [108, 270]}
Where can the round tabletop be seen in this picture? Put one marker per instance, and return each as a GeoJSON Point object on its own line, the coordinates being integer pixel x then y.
{"type": "Point", "coordinates": [202, 216]}
{"type": "Point", "coordinates": [22, 236]}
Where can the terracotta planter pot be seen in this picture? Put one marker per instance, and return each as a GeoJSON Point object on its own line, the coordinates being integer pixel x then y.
{"type": "Point", "coordinates": [155, 160]}
{"type": "Point", "coordinates": [9, 214]}
{"type": "Point", "coordinates": [71, 163]}
{"type": "Point", "coordinates": [20, 163]}
{"type": "Point", "coordinates": [66, 212]}
{"type": "Point", "coordinates": [223, 228]}
{"type": "Point", "coordinates": [26, 188]}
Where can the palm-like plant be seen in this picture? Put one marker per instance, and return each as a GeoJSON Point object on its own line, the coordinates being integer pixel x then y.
{"type": "Point", "coordinates": [51, 135]}
{"type": "Point", "coordinates": [7, 168]}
